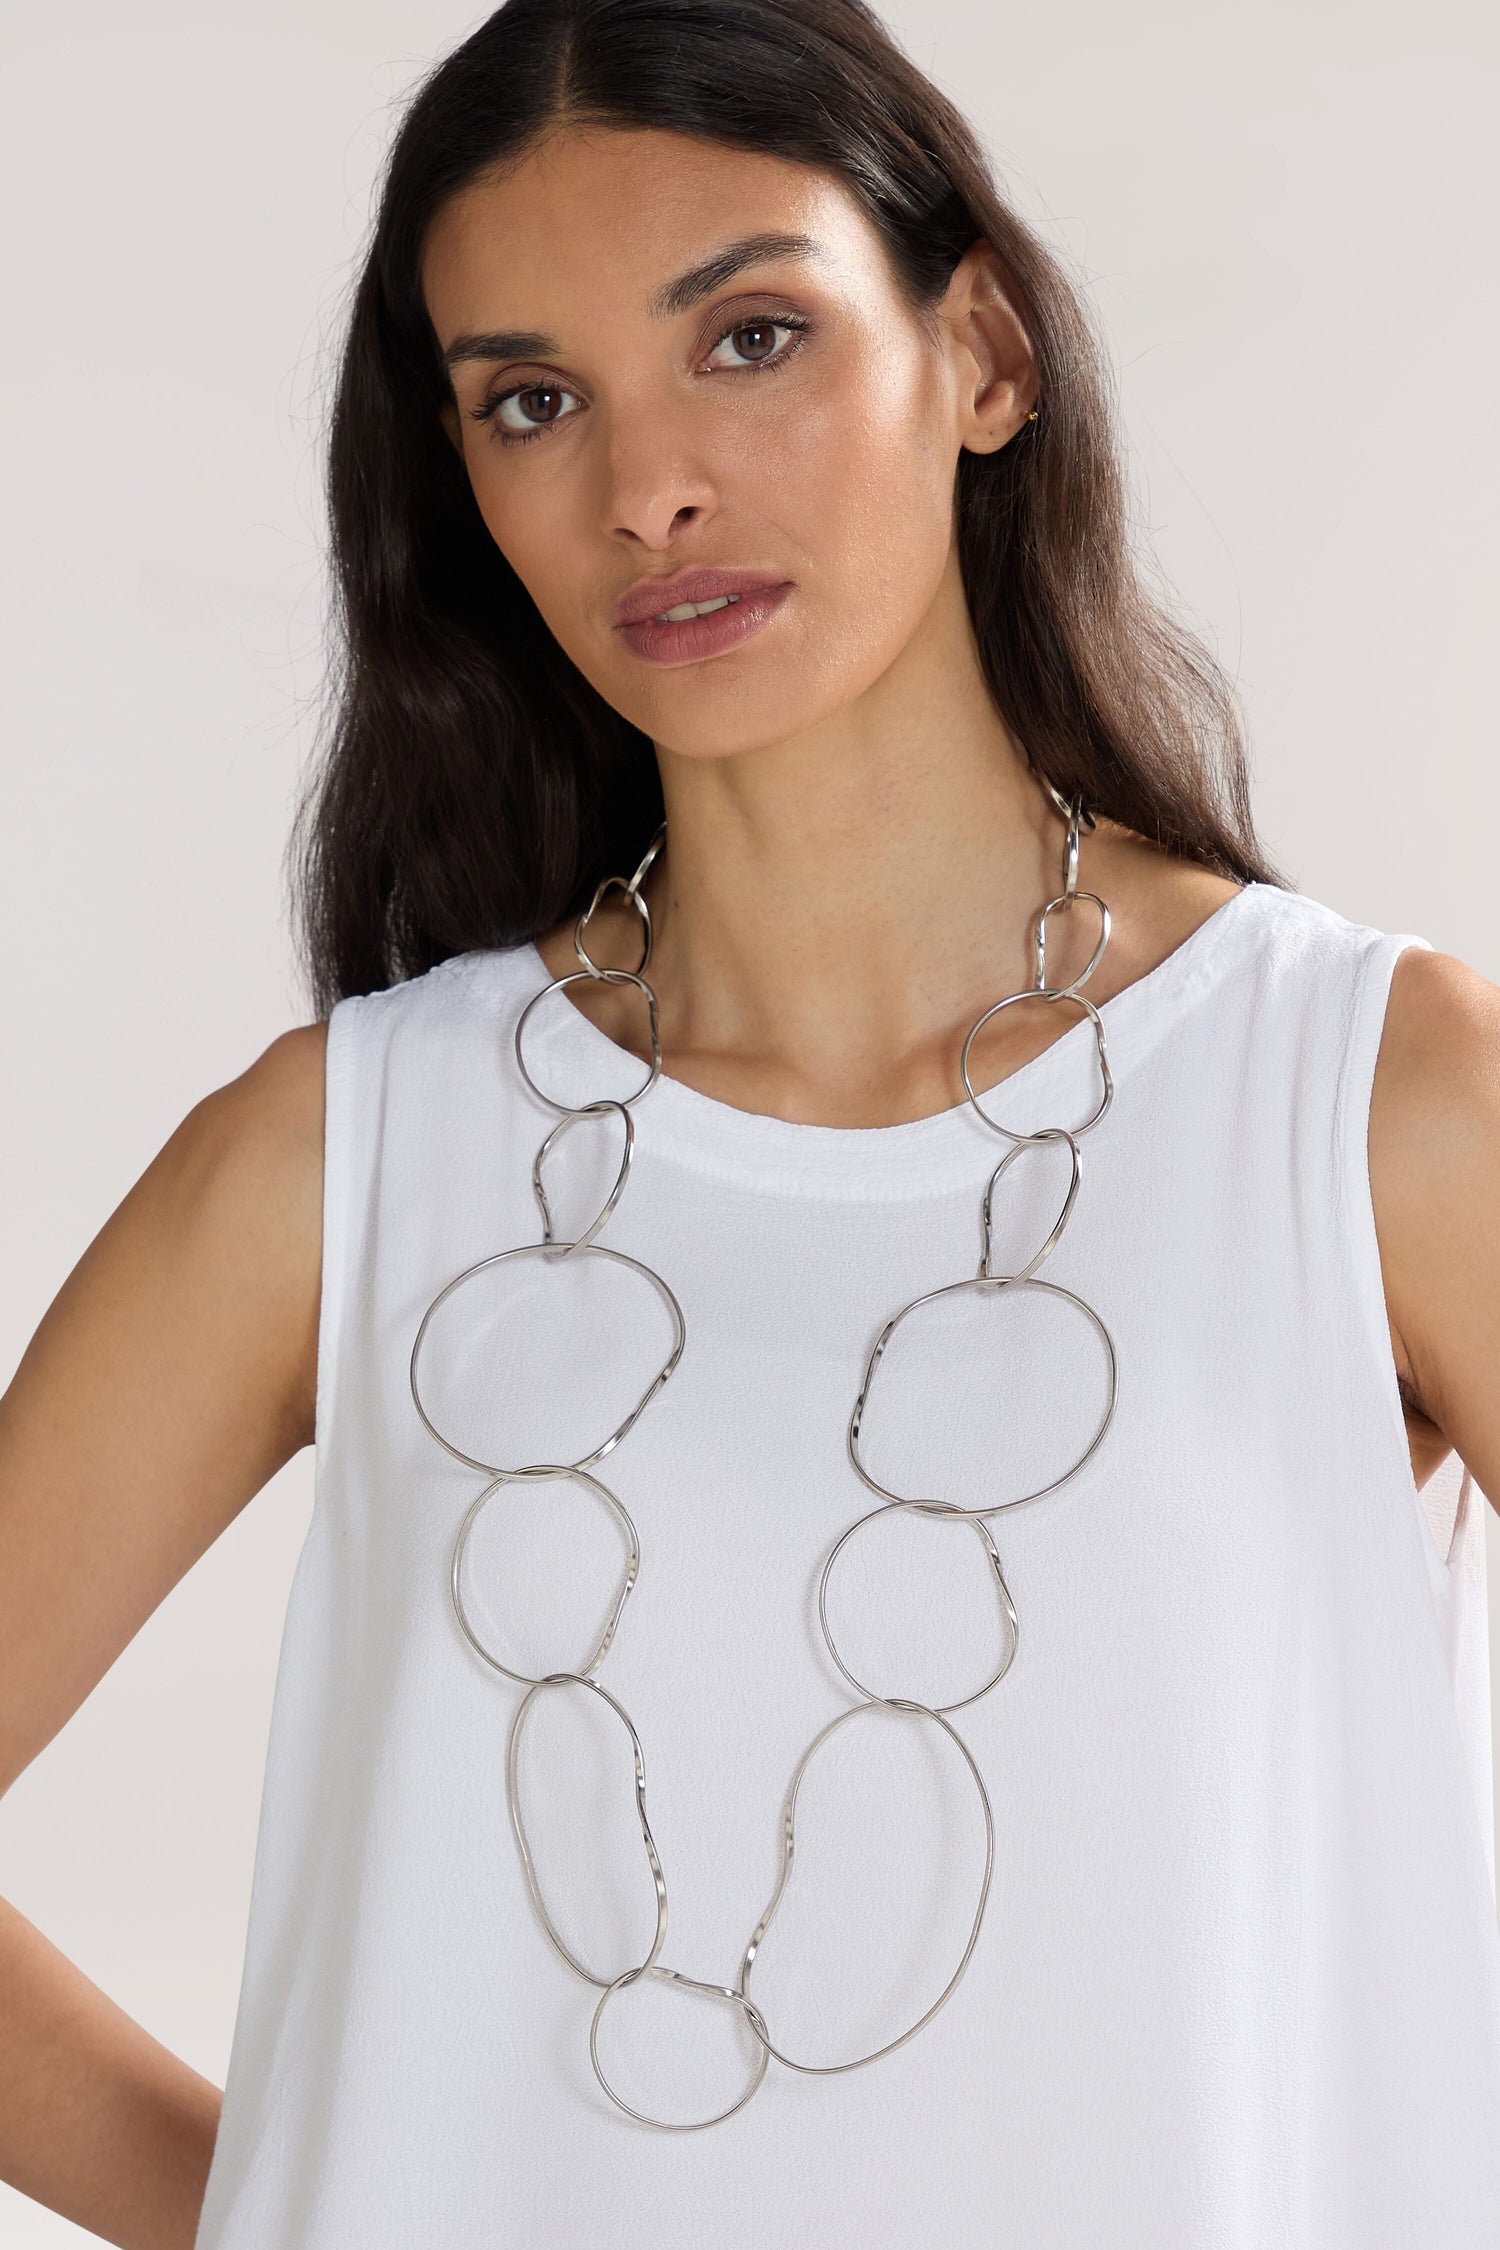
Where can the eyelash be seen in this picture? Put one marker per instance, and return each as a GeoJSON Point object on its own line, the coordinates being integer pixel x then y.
{"type": "Point", "coordinates": [798, 326]}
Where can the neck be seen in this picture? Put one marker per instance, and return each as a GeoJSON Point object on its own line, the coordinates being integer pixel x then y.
{"type": "Point", "coordinates": [832, 904]}
{"type": "Point", "coordinates": [831, 912]}
{"type": "Point", "coordinates": [832, 898]}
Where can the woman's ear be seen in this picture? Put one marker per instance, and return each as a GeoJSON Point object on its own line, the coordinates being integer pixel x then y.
{"type": "Point", "coordinates": [448, 416]}
{"type": "Point", "coordinates": [995, 369]}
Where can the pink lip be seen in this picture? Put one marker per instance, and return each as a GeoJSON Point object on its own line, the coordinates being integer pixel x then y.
{"type": "Point", "coordinates": [697, 637]}
{"type": "Point", "coordinates": [702, 583]}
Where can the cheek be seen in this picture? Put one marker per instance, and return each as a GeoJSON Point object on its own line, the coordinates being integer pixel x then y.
{"type": "Point", "coordinates": [516, 523]}
{"type": "Point", "coordinates": [529, 525]}
{"type": "Point", "coordinates": [866, 492]}
{"type": "Point", "coordinates": [884, 507]}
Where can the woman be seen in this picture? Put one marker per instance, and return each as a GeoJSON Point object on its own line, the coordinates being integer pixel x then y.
{"type": "Point", "coordinates": [744, 651]}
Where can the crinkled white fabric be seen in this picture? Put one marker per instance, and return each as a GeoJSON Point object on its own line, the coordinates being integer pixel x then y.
{"type": "Point", "coordinates": [1238, 1980]}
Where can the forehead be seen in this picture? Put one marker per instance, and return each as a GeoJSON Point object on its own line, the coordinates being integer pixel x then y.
{"type": "Point", "coordinates": [602, 216]}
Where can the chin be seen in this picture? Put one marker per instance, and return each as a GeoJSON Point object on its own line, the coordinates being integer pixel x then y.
{"type": "Point", "coordinates": [718, 709]}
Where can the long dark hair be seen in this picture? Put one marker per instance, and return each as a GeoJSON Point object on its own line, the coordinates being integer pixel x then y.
{"type": "Point", "coordinates": [473, 785]}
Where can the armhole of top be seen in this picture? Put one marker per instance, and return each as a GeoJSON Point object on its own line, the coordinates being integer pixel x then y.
{"type": "Point", "coordinates": [1367, 1019]}
{"type": "Point", "coordinates": [338, 1111]}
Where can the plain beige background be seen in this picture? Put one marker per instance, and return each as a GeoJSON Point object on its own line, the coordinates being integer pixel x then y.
{"type": "Point", "coordinates": [1287, 219]}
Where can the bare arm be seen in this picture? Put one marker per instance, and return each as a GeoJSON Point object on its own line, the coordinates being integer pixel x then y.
{"type": "Point", "coordinates": [1435, 1186]}
{"type": "Point", "coordinates": [172, 1375]}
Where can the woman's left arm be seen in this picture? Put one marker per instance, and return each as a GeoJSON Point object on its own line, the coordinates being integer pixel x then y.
{"type": "Point", "coordinates": [1434, 1146]}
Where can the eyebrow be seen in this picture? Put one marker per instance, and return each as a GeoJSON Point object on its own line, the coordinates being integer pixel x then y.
{"type": "Point", "coordinates": [665, 303]}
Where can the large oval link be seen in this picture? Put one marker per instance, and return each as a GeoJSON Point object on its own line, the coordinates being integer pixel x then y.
{"type": "Point", "coordinates": [577, 1679]}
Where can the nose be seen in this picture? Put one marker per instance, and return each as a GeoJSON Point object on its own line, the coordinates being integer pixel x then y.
{"type": "Point", "coordinates": [657, 485]}
{"type": "Point", "coordinates": [652, 514]}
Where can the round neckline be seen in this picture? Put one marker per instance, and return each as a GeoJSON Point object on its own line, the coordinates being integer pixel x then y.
{"type": "Point", "coordinates": [714, 1136]}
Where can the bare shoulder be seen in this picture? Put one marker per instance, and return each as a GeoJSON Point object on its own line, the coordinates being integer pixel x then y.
{"type": "Point", "coordinates": [272, 1111]}
{"type": "Point", "coordinates": [1434, 1157]}
{"type": "Point", "coordinates": [249, 1158]}
{"type": "Point", "coordinates": [171, 1376]}
{"type": "Point", "coordinates": [1433, 987]}
{"type": "Point", "coordinates": [218, 1243]}
{"type": "Point", "coordinates": [1436, 1092]}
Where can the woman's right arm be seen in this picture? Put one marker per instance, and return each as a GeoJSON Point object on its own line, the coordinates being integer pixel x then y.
{"type": "Point", "coordinates": [172, 1375]}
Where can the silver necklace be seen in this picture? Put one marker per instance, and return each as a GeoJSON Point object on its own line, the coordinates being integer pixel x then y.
{"type": "Point", "coordinates": [548, 1248]}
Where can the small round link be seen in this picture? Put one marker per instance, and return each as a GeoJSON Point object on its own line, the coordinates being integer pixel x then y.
{"type": "Point", "coordinates": [1071, 808]}
{"type": "Point", "coordinates": [926, 1507]}
{"type": "Point", "coordinates": [986, 1213]}
{"type": "Point", "coordinates": [549, 1250]}
{"type": "Point", "coordinates": [610, 882]}
{"type": "Point", "coordinates": [953, 1289]}
{"type": "Point", "coordinates": [1067, 991]}
{"type": "Point", "coordinates": [631, 888]}
{"type": "Point", "coordinates": [605, 976]}
{"type": "Point", "coordinates": [1078, 820]}
{"type": "Point", "coordinates": [535, 1474]}
{"type": "Point", "coordinates": [747, 2008]}
{"type": "Point", "coordinates": [1050, 999]}
{"type": "Point", "coordinates": [594, 1109]}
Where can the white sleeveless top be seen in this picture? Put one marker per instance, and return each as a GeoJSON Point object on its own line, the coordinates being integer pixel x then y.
{"type": "Point", "coordinates": [1237, 1980]}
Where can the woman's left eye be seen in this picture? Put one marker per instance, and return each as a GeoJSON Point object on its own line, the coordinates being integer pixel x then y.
{"type": "Point", "coordinates": [762, 354]}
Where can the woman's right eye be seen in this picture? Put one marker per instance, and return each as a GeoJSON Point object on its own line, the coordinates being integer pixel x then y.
{"type": "Point", "coordinates": [527, 426]}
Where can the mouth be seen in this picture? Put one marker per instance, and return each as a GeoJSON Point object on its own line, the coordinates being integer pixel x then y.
{"type": "Point", "coordinates": [689, 630]}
